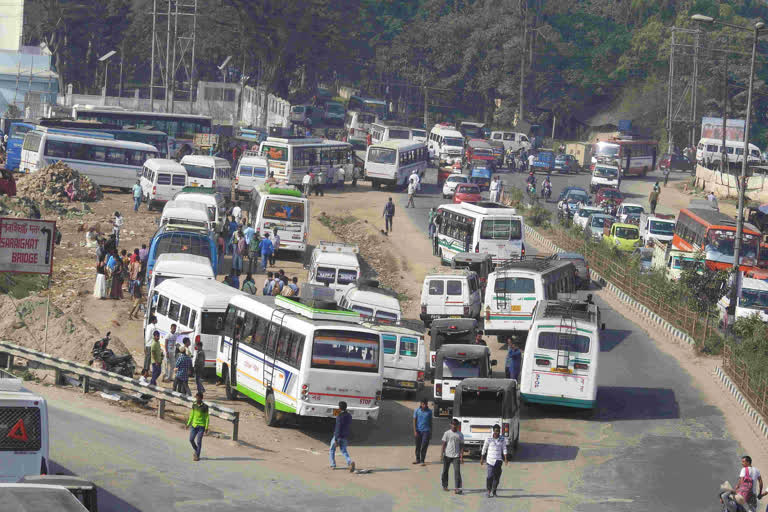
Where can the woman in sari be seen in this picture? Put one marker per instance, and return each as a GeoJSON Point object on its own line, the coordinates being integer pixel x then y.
{"type": "Point", "coordinates": [115, 283]}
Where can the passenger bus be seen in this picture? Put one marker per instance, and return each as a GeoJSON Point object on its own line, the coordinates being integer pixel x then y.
{"type": "Point", "coordinates": [393, 161]}
{"type": "Point", "coordinates": [635, 157]}
{"type": "Point", "coordinates": [482, 226]}
{"type": "Point", "coordinates": [562, 353]}
{"type": "Point", "coordinates": [284, 209]}
{"type": "Point", "coordinates": [291, 158]}
{"type": "Point", "coordinates": [180, 128]}
{"type": "Point", "coordinates": [381, 132]}
{"type": "Point", "coordinates": [24, 444]}
{"type": "Point", "coordinates": [471, 130]}
{"type": "Point", "coordinates": [369, 105]}
{"type": "Point", "coordinates": [168, 240]}
{"type": "Point", "coordinates": [300, 357]}
{"type": "Point", "coordinates": [515, 289]}
{"type": "Point", "coordinates": [714, 233]}
{"type": "Point", "coordinates": [108, 162]}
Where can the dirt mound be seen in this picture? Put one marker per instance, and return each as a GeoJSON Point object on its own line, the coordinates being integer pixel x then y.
{"type": "Point", "coordinates": [69, 336]}
{"type": "Point", "coordinates": [50, 184]}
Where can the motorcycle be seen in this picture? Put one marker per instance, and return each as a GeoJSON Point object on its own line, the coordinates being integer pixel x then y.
{"type": "Point", "coordinates": [729, 504]}
{"type": "Point", "coordinates": [546, 191]}
{"type": "Point", "coordinates": [106, 359]}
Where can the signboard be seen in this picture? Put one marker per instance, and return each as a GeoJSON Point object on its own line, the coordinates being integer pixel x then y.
{"type": "Point", "coordinates": [712, 128]}
{"type": "Point", "coordinates": [26, 245]}
{"type": "Point", "coordinates": [205, 140]}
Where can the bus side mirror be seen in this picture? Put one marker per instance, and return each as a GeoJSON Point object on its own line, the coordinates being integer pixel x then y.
{"type": "Point", "coordinates": [494, 362]}
{"type": "Point", "coordinates": [602, 326]}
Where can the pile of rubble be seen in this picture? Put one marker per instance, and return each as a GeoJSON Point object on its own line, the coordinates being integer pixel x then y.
{"type": "Point", "coordinates": [51, 184]}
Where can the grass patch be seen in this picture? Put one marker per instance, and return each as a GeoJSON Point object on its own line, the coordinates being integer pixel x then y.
{"type": "Point", "coordinates": [335, 221]}
{"type": "Point", "coordinates": [20, 286]}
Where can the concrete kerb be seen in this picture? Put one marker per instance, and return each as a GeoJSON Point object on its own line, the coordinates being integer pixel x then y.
{"type": "Point", "coordinates": [741, 399]}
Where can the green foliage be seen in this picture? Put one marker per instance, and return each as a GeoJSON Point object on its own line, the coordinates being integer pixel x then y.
{"type": "Point", "coordinates": [750, 345]}
{"type": "Point", "coordinates": [706, 286]}
{"type": "Point", "coordinates": [537, 215]}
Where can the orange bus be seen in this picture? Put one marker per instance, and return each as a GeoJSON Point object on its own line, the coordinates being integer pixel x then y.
{"type": "Point", "coordinates": [714, 233]}
{"type": "Point", "coordinates": [635, 157]}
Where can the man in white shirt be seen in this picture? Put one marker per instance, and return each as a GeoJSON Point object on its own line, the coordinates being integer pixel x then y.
{"type": "Point", "coordinates": [340, 176]}
{"type": "Point", "coordinates": [117, 225]}
{"type": "Point", "coordinates": [494, 189]}
{"type": "Point", "coordinates": [411, 193]}
{"type": "Point", "coordinates": [151, 327]}
{"type": "Point", "coordinates": [169, 347]}
{"type": "Point", "coordinates": [237, 212]}
{"type": "Point", "coordinates": [494, 453]}
{"type": "Point", "coordinates": [414, 178]}
{"type": "Point", "coordinates": [750, 484]}
{"type": "Point", "coordinates": [453, 454]}
{"type": "Point", "coordinates": [306, 184]}
{"type": "Point", "coordinates": [531, 159]}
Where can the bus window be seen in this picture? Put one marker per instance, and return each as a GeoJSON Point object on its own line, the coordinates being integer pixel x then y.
{"type": "Point", "coordinates": [560, 341]}
{"type": "Point", "coordinates": [345, 350]}
{"type": "Point", "coordinates": [389, 342]}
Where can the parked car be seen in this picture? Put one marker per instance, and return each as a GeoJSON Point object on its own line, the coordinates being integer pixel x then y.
{"type": "Point", "coordinates": [566, 164]}
{"type": "Point", "coordinates": [582, 267]}
{"type": "Point", "coordinates": [7, 183]}
{"type": "Point", "coordinates": [449, 187]}
{"type": "Point", "coordinates": [596, 225]}
{"type": "Point", "coordinates": [674, 162]}
{"type": "Point", "coordinates": [466, 192]}
{"type": "Point", "coordinates": [545, 161]}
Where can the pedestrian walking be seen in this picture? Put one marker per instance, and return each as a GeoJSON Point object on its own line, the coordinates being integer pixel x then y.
{"type": "Point", "coordinates": [253, 252]}
{"type": "Point", "coordinates": [411, 192]}
{"type": "Point", "coordinates": [249, 285]}
{"type": "Point", "coordinates": [198, 366]}
{"type": "Point", "coordinates": [237, 212]}
{"type": "Point", "coordinates": [117, 225]}
{"type": "Point", "coordinates": [169, 347]}
{"type": "Point", "coordinates": [493, 454]}
{"type": "Point", "coordinates": [389, 214]}
{"type": "Point", "coordinates": [666, 176]}
{"type": "Point", "coordinates": [268, 284]}
{"type": "Point", "coordinates": [340, 177]}
{"type": "Point", "coordinates": [452, 454]}
{"type": "Point", "coordinates": [422, 431]}
{"type": "Point", "coordinates": [275, 247]}
{"type": "Point", "coordinates": [653, 198]}
{"type": "Point", "coordinates": [341, 436]}
{"type": "Point", "coordinates": [266, 248]}
{"type": "Point", "coordinates": [494, 190]}
{"type": "Point", "coordinates": [198, 425]}
{"type": "Point", "coordinates": [137, 296]}
{"type": "Point", "coordinates": [134, 271]}
{"type": "Point", "coordinates": [143, 259]}
{"type": "Point", "coordinates": [513, 362]}
{"type": "Point", "coordinates": [183, 369]}
{"type": "Point", "coordinates": [306, 184]}
{"type": "Point", "coordinates": [233, 279]}
{"type": "Point", "coordinates": [137, 195]}
{"type": "Point", "coordinates": [431, 218]}
{"type": "Point", "coordinates": [319, 185]}
{"type": "Point", "coordinates": [151, 328]}
{"type": "Point", "coordinates": [713, 200]}
{"type": "Point", "coordinates": [156, 353]}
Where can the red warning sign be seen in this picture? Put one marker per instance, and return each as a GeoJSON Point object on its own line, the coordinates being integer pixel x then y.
{"type": "Point", "coordinates": [18, 432]}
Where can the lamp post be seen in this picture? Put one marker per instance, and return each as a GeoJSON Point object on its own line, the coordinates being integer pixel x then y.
{"type": "Point", "coordinates": [105, 58]}
{"type": "Point", "coordinates": [734, 295]}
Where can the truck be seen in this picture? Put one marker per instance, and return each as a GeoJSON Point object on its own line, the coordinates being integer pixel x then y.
{"type": "Point", "coordinates": [545, 161]}
{"type": "Point", "coordinates": [656, 228]}
{"type": "Point", "coordinates": [582, 151]}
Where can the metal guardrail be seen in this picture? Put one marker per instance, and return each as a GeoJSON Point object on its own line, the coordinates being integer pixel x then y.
{"type": "Point", "coordinates": [88, 374]}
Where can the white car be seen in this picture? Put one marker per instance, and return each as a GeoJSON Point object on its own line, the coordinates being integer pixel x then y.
{"type": "Point", "coordinates": [581, 216]}
{"type": "Point", "coordinates": [628, 208]}
{"type": "Point", "coordinates": [449, 187]}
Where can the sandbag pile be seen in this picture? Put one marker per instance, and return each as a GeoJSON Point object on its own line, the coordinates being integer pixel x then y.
{"type": "Point", "coordinates": [50, 183]}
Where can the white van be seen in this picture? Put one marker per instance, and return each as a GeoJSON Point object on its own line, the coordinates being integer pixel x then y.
{"type": "Point", "coordinates": [357, 126]}
{"type": "Point", "coordinates": [196, 305]}
{"type": "Point", "coordinates": [446, 144]}
{"type": "Point", "coordinates": [213, 201]}
{"type": "Point", "coordinates": [186, 213]}
{"type": "Point", "coordinates": [209, 172]}
{"type": "Point", "coordinates": [160, 180]}
{"type": "Point", "coordinates": [656, 229]}
{"type": "Point", "coordinates": [450, 294]}
{"type": "Point", "coordinates": [405, 356]}
{"type": "Point", "coordinates": [381, 132]}
{"type": "Point", "coordinates": [252, 170]}
{"type": "Point", "coordinates": [512, 140]}
{"type": "Point", "coordinates": [177, 265]}
{"type": "Point", "coordinates": [418, 135]}
{"type": "Point", "coordinates": [711, 150]}
{"type": "Point", "coordinates": [335, 265]}
{"type": "Point", "coordinates": [753, 300]}
{"type": "Point", "coordinates": [604, 175]}
{"type": "Point", "coordinates": [479, 404]}
{"type": "Point", "coordinates": [372, 302]}
{"type": "Point", "coordinates": [24, 444]}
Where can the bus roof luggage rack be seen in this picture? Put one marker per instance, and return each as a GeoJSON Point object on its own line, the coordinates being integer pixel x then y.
{"type": "Point", "coordinates": [199, 190]}
{"type": "Point", "coordinates": [529, 263]}
{"type": "Point", "coordinates": [486, 207]}
{"type": "Point", "coordinates": [338, 247]}
{"type": "Point", "coordinates": [317, 303]}
{"type": "Point", "coordinates": [282, 190]}
{"type": "Point", "coordinates": [251, 152]}
{"type": "Point", "coordinates": [568, 309]}
{"type": "Point", "coordinates": [372, 285]}
{"type": "Point", "coordinates": [9, 382]}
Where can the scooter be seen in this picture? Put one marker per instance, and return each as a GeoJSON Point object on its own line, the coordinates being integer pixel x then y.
{"type": "Point", "coordinates": [546, 191]}
{"type": "Point", "coordinates": [729, 504]}
{"type": "Point", "coordinates": [106, 359]}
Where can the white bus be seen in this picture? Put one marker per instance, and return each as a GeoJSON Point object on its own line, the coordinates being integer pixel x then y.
{"type": "Point", "coordinates": [24, 442]}
{"type": "Point", "coordinates": [482, 226]}
{"type": "Point", "coordinates": [446, 144]}
{"type": "Point", "coordinates": [108, 162]}
{"type": "Point", "coordinates": [357, 126]}
{"type": "Point", "coordinates": [298, 359]}
{"type": "Point", "coordinates": [383, 132]}
{"type": "Point", "coordinates": [284, 209]}
{"type": "Point", "coordinates": [391, 162]}
{"type": "Point", "coordinates": [209, 172]}
{"type": "Point", "coordinates": [515, 288]}
{"type": "Point", "coordinates": [560, 363]}
{"type": "Point", "coordinates": [291, 158]}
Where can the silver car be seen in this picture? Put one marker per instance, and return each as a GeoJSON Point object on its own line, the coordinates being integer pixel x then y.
{"type": "Point", "coordinates": [596, 223]}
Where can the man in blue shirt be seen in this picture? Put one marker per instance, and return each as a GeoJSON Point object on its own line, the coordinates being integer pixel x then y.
{"type": "Point", "coordinates": [340, 435]}
{"type": "Point", "coordinates": [514, 361]}
{"type": "Point", "coordinates": [422, 431]}
{"type": "Point", "coordinates": [266, 248]}
{"type": "Point", "coordinates": [136, 196]}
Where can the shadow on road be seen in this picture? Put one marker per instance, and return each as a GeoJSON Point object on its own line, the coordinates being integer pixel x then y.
{"type": "Point", "coordinates": [616, 403]}
{"type": "Point", "coordinates": [613, 337]}
{"type": "Point", "coordinates": [544, 452]}
{"type": "Point", "coordinates": [106, 500]}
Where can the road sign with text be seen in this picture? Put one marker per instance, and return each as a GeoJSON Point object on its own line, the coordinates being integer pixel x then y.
{"type": "Point", "coordinates": [26, 245]}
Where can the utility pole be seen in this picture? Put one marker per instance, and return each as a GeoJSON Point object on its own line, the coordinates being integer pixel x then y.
{"type": "Point", "coordinates": [426, 108]}
{"type": "Point", "coordinates": [724, 155]}
{"type": "Point", "coordinates": [670, 95]}
{"type": "Point", "coordinates": [524, 22]}
{"type": "Point", "coordinates": [695, 87]}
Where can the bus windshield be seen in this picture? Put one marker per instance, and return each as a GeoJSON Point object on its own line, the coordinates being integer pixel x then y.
{"type": "Point", "coordinates": [399, 134]}
{"type": "Point", "coordinates": [277, 209]}
{"type": "Point", "coordinates": [454, 141]}
{"type": "Point", "coordinates": [256, 172]}
{"type": "Point", "coordinates": [754, 299]}
{"type": "Point", "coordinates": [564, 341]}
{"type": "Point", "coordinates": [481, 404]}
{"type": "Point", "coordinates": [608, 150]}
{"type": "Point", "coordinates": [199, 171]}
{"type": "Point", "coordinates": [382, 156]}
{"type": "Point", "coordinates": [18, 130]}
{"type": "Point", "coordinates": [345, 350]}
{"type": "Point", "coordinates": [662, 227]}
{"type": "Point", "coordinates": [723, 241]}
{"type": "Point", "coordinates": [419, 133]}
{"type": "Point", "coordinates": [501, 229]}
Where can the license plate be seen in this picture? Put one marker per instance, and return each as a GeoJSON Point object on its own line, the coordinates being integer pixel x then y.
{"type": "Point", "coordinates": [336, 412]}
{"type": "Point", "coordinates": [453, 390]}
{"type": "Point", "coordinates": [406, 384]}
{"type": "Point", "coordinates": [455, 316]}
{"type": "Point", "coordinates": [194, 184]}
{"type": "Point", "coordinates": [514, 308]}
{"type": "Point", "coordinates": [480, 430]}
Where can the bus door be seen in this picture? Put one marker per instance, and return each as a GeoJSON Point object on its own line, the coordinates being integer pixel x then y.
{"type": "Point", "coordinates": [494, 238]}
{"type": "Point", "coordinates": [270, 349]}
{"type": "Point", "coordinates": [237, 335]}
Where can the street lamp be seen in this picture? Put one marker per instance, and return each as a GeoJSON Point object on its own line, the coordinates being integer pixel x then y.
{"type": "Point", "coordinates": [756, 28]}
{"type": "Point", "coordinates": [221, 68]}
{"type": "Point", "coordinates": [105, 58]}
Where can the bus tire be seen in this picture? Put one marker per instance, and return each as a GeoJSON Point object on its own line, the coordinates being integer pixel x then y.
{"type": "Point", "coordinates": [229, 391]}
{"type": "Point", "coordinates": [270, 412]}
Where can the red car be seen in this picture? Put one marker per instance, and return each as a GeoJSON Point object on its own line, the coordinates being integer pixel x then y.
{"type": "Point", "coordinates": [7, 183]}
{"type": "Point", "coordinates": [609, 193]}
{"type": "Point", "coordinates": [466, 192]}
